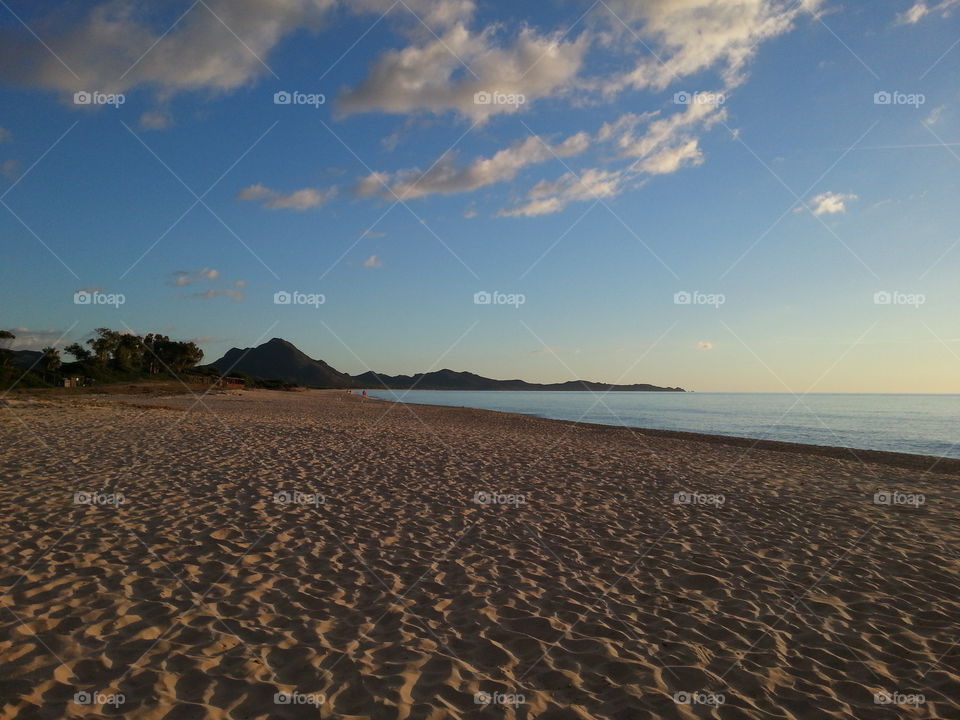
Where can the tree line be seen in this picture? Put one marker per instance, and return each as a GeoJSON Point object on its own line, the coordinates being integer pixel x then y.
{"type": "Point", "coordinates": [111, 352]}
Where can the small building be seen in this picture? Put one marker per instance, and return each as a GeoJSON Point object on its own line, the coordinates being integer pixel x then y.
{"type": "Point", "coordinates": [74, 382]}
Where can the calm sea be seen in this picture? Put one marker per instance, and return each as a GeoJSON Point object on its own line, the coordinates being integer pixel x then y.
{"type": "Point", "coordinates": [924, 424]}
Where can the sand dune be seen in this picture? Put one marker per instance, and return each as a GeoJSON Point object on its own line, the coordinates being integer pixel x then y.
{"type": "Point", "coordinates": [289, 555]}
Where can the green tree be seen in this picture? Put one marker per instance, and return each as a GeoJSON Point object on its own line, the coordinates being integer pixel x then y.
{"type": "Point", "coordinates": [78, 351]}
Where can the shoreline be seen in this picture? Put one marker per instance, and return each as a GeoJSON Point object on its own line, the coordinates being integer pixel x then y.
{"type": "Point", "coordinates": [888, 458]}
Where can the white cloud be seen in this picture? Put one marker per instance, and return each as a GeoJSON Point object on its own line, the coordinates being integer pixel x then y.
{"type": "Point", "coordinates": [447, 177]}
{"type": "Point", "coordinates": [373, 261]}
{"type": "Point", "coordinates": [666, 145]}
{"type": "Point", "coordinates": [302, 199]}
{"type": "Point", "coordinates": [705, 345]}
{"type": "Point", "coordinates": [689, 36]}
{"type": "Point", "coordinates": [552, 196]}
{"type": "Point", "coordinates": [830, 203]}
{"type": "Point", "coordinates": [105, 48]}
{"type": "Point", "coordinates": [920, 10]}
{"type": "Point", "coordinates": [446, 71]}
{"type": "Point", "coordinates": [934, 117]}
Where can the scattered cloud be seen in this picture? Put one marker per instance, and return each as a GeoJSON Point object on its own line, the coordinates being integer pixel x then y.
{"type": "Point", "coordinates": [446, 176]}
{"type": "Point", "coordinates": [373, 234]}
{"type": "Point", "coordinates": [829, 203]}
{"type": "Point", "coordinates": [5, 135]}
{"type": "Point", "coordinates": [373, 261]}
{"type": "Point", "coordinates": [302, 199]}
{"type": "Point", "coordinates": [705, 345]}
{"type": "Point", "coordinates": [920, 10]}
{"type": "Point", "coordinates": [155, 120]}
{"type": "Point", "coordinates": [9, 168]}
{"type": "Point", "coordinates": [236, 295]}
{"type": "Point", "coordinates": [182, 278]}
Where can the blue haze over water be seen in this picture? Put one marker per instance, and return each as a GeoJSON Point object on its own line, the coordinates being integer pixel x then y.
{"type": "Point", "coordinates": [922, 424]}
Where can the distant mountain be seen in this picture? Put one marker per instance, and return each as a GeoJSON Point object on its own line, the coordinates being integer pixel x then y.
{"type": "Point", "coordinates": [281, 360]}
{"type": "Point", "coordinates": [26, 358]}
{"type": "Point", "coordinates": [453, 380]}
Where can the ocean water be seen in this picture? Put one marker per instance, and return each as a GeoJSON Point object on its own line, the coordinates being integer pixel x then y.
{"type": "Point", "coordinates": [921, 424]}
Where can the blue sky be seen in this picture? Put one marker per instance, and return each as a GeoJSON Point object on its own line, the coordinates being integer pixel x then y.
{"type": "Point", "coordinates": [792, 167]}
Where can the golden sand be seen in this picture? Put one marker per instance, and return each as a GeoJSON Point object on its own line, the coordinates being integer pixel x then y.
{"type": "Point", "coordinates": [286, 555]}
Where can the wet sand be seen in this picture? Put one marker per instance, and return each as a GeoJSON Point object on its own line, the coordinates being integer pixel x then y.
{"type": "Point", "coordinates": [287, 555]}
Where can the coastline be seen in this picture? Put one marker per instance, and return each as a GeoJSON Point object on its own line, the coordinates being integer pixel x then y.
{"type": "Point", "coordinates": [910, 461]}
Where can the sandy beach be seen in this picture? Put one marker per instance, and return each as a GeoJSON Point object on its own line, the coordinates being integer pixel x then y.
{"type": "Point", "coordinates": [313, 554]}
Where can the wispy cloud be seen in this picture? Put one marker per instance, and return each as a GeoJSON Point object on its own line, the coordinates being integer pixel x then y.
{"type": "Point", "coordinates": [182, 278]}
{"type": "Point", "coordinates": [302, 199]}
{"type": "Point", "coordinates": [373, 261]}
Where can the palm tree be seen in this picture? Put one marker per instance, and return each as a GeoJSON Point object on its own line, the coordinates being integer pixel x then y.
{"type": "Point", "coordinates": [50, 360]}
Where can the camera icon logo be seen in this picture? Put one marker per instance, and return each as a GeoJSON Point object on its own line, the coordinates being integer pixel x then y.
{"type": "Point", "coordinates": [681, 98]}
{"type": "Point", "coordinates": [82, 297]}
{"type": "Point", "coordinates": [282, 98]}
{"type": "Point", "coordinates": [482, 298]}
{"type": "Point", "coordinates": [682, 298]}
{"type": "Point", "coordinates": [82, 97]}
{"type": "Point", "coordinates": [882, 297]}
{"type": "Point", "coordinates": [482, 98]}
{"type": "Point", "coordinates": [882, 98]}
{"type": "Point", "coordinates": [282, 297]}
